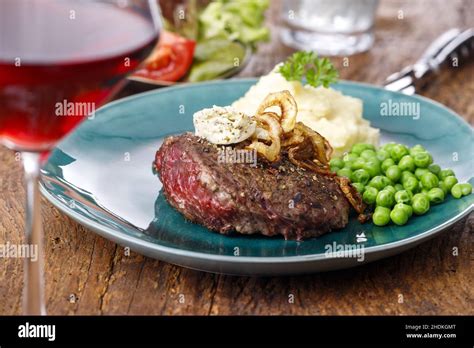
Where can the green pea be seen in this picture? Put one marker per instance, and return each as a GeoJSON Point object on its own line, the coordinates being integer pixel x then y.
{"type": "Point", "coordinates": [381, 216]}
{"type": "Point", "coordinates": [466, 189]}
{"type": "Point", "coordinates": [445, 173]}
{"type": "Point", "coordinates": [398, 151]}
{"type": "Point", "coordinates": [385, 198]}
{"type": "Point", "coordinates": [370, 195]}
{"type": "Point", "coordinates": [359, 187]}
{"type": "Point", "coordinates": [379, 182]}
{"type": "Point", "coordinates": [407, 208]}
{"type": "Point", "coordinates": [361, 176]}
{"type": "Point", "coordinates": [359, 163]}
{"type": "Point", "coordinates": [346, 172]}
{"type": "Point", "coordinates": [410, 183]}
{"type": "Point", "coordinates": [399, 216]}
{"type": "Point", "coordinates": [456, 191]}
{"type": "Point", "coordinates": [370, 147]}
{"type": "Point", "coordinates": [429, 180]}
{"type": "Point", "coordinates": [406, 174]}
{"type": "Point", "coordinates": [450, 181]}
{"type": "Point", "coordinates": [386, 164]}
{"type": "Point", "coordinates": [420, 186]}
{"type": "Point", "coordinates": [387, 147]}
{"type": "Point", "coordinates": [403, 196]}
{"type": "Point", "coordinates": [372, 167]}
{"type": "Point", "coordinates": [336, 162]}
{"type": "Point", "coordinates": [420, 204]}
{"type": "Point", "coordinates": [393, 173]}
{"type": "Point", "coordinates": [422, 159]}
{"type": "Point", "coordinates": [390, 188]}
{"type": "Point", "coordinates": [420, 171]}
{"type": "Point", "coordinates": [386, 181]}
{"type": "Point", "coordinates": [399, 187]}
{"type": "Point", "coordinates": [416, 149]}
{"type": "Point", "coordinates": [436, 195]}
{"type": "Point", "coordinates": [442, 185]}
{"type": "Point", "coordinates": [368, 154]}
{"type": "Point", "coordinates": [407, 163]}
{"type": "Point", "coordinates": [358, 148]}
{"type": "Point", "coordinates": [348, 165]}
{"type": "Point", "coordinates": [334, 169]}
{"type": "Point", "coordinates": [373, 160]}
{"type": "Point", "coordinates": [434, 168]}
{"type": "Point", "coordinates": [349, 157]}
{"type": "Point", "coordinates": [382, 155]}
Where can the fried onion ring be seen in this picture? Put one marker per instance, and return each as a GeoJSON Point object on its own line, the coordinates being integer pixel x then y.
{"type": "Point", "coordinates": [322, 148]}
{"type": "Point", "coordinates": [294, 138]}
{"type": "Point", "coordinates": [260, 131]}
{"type": "Point", "coordinates": [353, 197]}
{"type": "Point", "coordinates": [302, 155]}
{"type": "Point", "coordinates": [273, 129]}
{"type": "Point", "coordinates": [287, 104]}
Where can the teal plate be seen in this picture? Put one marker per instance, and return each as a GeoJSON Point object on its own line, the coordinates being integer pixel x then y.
{"type": "Point", "coordinates": [101, 176]}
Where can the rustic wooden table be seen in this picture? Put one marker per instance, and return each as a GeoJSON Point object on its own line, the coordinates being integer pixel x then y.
{"type": "Point", "coordinates": [86, 274]}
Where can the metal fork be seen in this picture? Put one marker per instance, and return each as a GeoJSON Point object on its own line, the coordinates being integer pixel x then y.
{"type": "Point", "coordinates": [452, 48]}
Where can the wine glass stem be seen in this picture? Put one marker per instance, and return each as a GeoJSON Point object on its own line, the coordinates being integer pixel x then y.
{"type": "Point", "coordinates": [33, 286]}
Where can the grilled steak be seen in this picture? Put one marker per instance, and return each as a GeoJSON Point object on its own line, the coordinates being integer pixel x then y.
{"type": "Point", "coordinates": [270, 199]}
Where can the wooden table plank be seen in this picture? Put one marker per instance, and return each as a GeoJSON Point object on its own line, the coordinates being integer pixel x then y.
{"type": "Point", "coordinates": [87, 274]}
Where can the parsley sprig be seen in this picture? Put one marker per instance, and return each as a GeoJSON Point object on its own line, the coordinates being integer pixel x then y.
{"type": "Point", "coordinates": [317, 71]}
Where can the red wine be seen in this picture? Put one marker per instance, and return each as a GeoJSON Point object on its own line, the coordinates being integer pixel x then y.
{"type": "Point", "coordinates": [61, 60]}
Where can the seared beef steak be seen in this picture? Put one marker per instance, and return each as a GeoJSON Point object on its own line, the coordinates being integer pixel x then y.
{"type": "Point", "coordinates": [268, 199]}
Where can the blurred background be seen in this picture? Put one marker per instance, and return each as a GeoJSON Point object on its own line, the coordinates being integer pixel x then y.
{"type": "Point", "coordinates": [367, 40]}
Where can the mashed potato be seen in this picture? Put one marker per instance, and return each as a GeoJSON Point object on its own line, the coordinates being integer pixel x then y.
{"type": "Point", "coordinates": [335, 116]}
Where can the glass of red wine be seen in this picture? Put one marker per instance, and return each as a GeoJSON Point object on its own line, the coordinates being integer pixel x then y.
{"type": "Point", "coordinates": [59, 61]}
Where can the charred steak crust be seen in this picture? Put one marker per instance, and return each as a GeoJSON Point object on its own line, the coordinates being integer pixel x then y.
{"type": "Point", "coordinates": [267, 199]}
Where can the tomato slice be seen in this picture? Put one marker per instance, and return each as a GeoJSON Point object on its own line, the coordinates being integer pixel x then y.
{"type": "Point", "coordinates": [170, 60]}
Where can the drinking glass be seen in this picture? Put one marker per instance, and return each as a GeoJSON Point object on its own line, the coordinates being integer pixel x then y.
{"type": "Point", "coordinates": [59, 61]}
{"type": "Point", "coordinates": [329, 27]}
